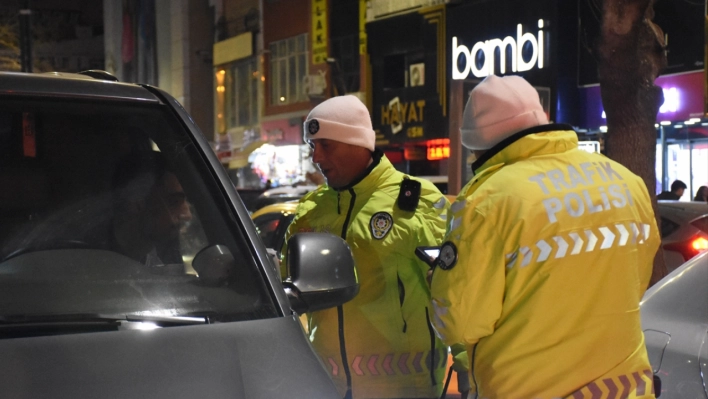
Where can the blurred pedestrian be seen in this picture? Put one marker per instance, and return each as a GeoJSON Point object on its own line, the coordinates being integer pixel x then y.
{"type": "Point", "coordinates": [543, 288]}
{"type": "Point", "coordinates": [701, 194]}
{"type": "Point", "coordinates": [381, 344]}
{"type": "Point", "coordinates": [677, 189]}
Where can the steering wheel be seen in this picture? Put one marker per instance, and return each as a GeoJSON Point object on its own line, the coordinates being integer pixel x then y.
{"type": "Point", "coordinates": [58, 244]}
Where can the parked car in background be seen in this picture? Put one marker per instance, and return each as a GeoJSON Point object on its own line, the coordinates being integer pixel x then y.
{"type": "Point", "coordinates": [129, 267]}
{"type": "Point", "coordinates": [281, 194]}
{"type": "Point", "coordinates": [272, 222]}
{"type": "Point", "coordinates": [684, 230]}
{"type": "Point", "coordinates": [257, 199]}
{"type": "Point", "coordinates": [675, 322]}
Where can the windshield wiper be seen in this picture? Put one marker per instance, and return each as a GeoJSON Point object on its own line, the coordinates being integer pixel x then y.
{"type": "Point", "coordinates": [97, 318]}
{"type": "Point", "coordinates": [171, 320]}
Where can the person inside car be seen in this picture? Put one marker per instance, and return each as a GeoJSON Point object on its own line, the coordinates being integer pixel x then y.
{"type": "Point", "coordinates": [150, 210]}
{"type": "Point", "coordinates": [380, 344]}
{"type": "Point", "coordinates": [543, 288]}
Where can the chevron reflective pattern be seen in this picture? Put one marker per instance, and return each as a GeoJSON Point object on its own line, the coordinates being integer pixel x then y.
{"type": "Point", "coordinates": [579, 241]}
{"type": "Point", "coordinates": [391, 363]}
{"type": "Point", "coordinates": [634, 385]}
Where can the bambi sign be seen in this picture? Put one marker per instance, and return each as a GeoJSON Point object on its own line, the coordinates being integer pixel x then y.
{"type": "Point", "coordinates": [488, 47]}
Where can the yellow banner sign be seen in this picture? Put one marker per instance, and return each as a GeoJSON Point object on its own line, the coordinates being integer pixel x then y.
{"type": "Point", "coordinates": [362, 27]}
{"type": "Point", "coordinates": [319, 31]}
{"type": "Point", "coordinates": [232, 49]}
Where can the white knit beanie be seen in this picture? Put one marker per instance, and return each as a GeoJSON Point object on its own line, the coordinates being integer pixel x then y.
{"type": "Point", "coordinates": [498, 108]}
{"type": "Point", "coordinates": [344, 119]}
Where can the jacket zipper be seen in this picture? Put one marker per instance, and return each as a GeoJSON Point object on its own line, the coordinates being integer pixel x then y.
{"type": "Point", "coordinates": [340, 308]}
{"type": "Point", "coordinates": [433, 350]}
{"type": "Point", "coordinates": [401, 297]}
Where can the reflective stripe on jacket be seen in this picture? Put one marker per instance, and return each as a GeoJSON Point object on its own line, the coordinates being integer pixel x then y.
{"type": "Point", "coordinates": [381, 342]}
{"type": "Point", "coordinates": [554, 252]}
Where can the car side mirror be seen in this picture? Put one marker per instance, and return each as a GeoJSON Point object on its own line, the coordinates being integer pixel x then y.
{"type": "Point", "coordinates": [320, 270]}
{"type": "Point", "coordinates": [214, 264]}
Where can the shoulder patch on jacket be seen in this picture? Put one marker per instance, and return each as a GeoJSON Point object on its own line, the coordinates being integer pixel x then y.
{"type": "Point", "coordinates": [380, 224]}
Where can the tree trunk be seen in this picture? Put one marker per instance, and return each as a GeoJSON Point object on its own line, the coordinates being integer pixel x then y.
{"type": "Point", "coordinates": [631, 53]}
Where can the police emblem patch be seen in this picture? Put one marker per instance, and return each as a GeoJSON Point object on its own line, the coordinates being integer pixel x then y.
{"type": "Point", "coordinates": [448, 256]}
{"type": "Point", "coordinates": [380, 224]}
{"type": "Point", "coordinates": [313, 126]}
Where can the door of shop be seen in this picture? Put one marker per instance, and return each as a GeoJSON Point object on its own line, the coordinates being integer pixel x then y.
{"type": "Point", "coordinates": [686, 161]}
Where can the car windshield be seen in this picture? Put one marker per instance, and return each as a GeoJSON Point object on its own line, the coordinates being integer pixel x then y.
{"type": "Point", "coordinates": [110, 208]}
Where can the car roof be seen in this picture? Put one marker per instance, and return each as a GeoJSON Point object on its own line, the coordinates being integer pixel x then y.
{"type": "Point", "coordinates": [89, 85]}
{"type": "Point", "coordinates": [670, 293]}
{"type": "Point", "coordinates": [288, 190]}
{"type": "Point", "coordinates": [288, 206]}
{"type": "Point", "coordinates": [682, 211]}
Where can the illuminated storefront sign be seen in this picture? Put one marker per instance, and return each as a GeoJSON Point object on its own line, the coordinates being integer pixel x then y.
{"type": "Point", "coordinates": [319, 32]}
{"type": "Point", "coordinates": [488, 49]}
{"type": "Point", "coordinates": [683, 100]}
{"type": "Point", "coordinates": [672, 101]}
{"type": "Point", "coordinates": [438, 149]}
{"type": "Point", "coordinates": [397, 114]}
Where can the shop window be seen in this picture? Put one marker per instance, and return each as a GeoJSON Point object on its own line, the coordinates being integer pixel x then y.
{"type": "Point", "coordinates": [242, 96]}
{"type": "Point", "coordinates": [288, 67]}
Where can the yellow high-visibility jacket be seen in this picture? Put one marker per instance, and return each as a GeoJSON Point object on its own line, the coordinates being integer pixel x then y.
{"type": "Point", "coordinates": [381, 344]}
{"type": "Point", "coordinates": [550, 251]}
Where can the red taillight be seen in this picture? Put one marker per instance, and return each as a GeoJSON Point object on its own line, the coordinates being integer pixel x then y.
{"type": "Point", "coordinates": [689, 248]}
{"type": "Point", "coordinates": [699, 244]}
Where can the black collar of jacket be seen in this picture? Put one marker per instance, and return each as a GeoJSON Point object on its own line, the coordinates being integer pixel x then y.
{"type": "Point", "coordinates": [516, 136]}
{"type": "Point", "coordinates": [376, 157]}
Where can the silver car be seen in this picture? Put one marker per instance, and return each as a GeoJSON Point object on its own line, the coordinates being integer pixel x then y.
{"type": "Point", "coordinates": [675, 323]}
{"type": "Point", "coordinates": [130, 268]}
{"type": "Point", "coordinates": [684, 231]}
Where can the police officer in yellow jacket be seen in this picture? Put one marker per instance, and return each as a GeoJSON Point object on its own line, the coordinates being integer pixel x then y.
{"type": "Point", "coordinates": [547, 254]}
{"type": "Point", "coordinates": [381, 344]}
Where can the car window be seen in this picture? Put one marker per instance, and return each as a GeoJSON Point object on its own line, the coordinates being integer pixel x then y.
{"type": "Point", "coordinates": [667, 227]}
{"type": "Point", "coordinates": [109, 208]}
{"type": "Point", "coordinates": [701, 224]}
{"type": "Point", "coordinates": [272, 228]}
{"type": "Point", "coordinates": [280, 232]}
{"type": "Point", "coordinates": [267, 225]}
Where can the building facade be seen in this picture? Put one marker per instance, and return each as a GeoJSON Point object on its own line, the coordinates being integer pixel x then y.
{"type": "Point", "coordinates": [413, 63]}
{"type": "Point", "coordinates": [166, 43]}
{"type": "Point", "coordinates": [238, 80]}
{"type": "Point", "coordinates": [424, 63]}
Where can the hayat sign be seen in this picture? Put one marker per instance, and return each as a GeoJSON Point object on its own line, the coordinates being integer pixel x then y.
{"type": "Point", "coordinates": [488, 47]}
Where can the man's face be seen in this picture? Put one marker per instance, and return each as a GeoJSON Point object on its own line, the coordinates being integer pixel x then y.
{"type": "Point", "coordinates": [340, 163]}
{"type": "Point", "coordinates": [679, 192]}
{"type": "Point", "coordinates": [168, 208]}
